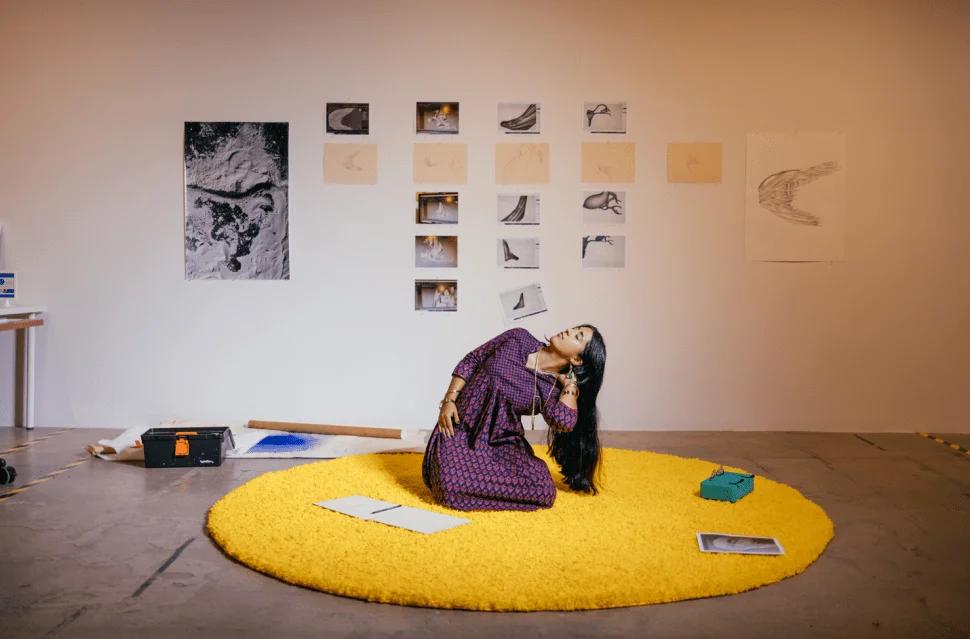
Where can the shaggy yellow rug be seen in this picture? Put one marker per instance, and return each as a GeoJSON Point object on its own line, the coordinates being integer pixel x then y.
{"type": "Point", "coordinates": [635, 543]}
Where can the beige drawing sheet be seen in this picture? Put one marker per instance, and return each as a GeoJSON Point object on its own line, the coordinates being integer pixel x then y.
{"type": "Point", "coordinates": [694, 162]}
{"type": "Point", "coordinates": [608, 162]}
{"type": "Point", "coordinates": [526, 163]}
{"type": "Point", "coordinates": [350, 163]}
{"type": "Point", "coordinates": [437, 163]}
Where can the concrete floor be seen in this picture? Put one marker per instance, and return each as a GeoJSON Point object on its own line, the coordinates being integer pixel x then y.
{"type": "Point", "coordinates": [86, 553]}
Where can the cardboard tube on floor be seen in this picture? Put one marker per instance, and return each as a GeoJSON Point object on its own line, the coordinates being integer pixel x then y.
{"type": "Point", "coordinates": [326, 429]}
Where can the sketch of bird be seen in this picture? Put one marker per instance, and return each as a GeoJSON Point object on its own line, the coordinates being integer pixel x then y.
{"type": "Point", "coordinates": [777, 192]}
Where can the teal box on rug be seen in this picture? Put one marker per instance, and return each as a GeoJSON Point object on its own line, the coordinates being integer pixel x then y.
{"type": "Point", "coordinates": [724, 486]}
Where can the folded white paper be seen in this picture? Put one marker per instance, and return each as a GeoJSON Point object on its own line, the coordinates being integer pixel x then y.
{"type": "Point", "coordinates": [385, 512]}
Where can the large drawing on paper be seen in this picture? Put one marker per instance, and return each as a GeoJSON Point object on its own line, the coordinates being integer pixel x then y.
{"type": "Point", "coordinates": [236, 200]}
{"type": "Point", "coordinates": [795, 197]}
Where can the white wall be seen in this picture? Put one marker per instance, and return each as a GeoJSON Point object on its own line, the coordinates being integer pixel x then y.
{"type": "Point", "coordinates": [96, 94]}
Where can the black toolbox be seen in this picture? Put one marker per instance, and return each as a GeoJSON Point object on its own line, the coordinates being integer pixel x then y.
{"type": "Point", "coordinates": [185, 447]}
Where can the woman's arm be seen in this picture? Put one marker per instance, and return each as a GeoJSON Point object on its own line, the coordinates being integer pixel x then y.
{"type": "Point", "coordinates": [563, 414]}
{"type": "Point", "coordinates": [473, 360]}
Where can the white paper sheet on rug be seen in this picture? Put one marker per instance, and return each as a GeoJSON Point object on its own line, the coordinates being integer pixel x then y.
{"type": "Point", "coordinates": [385, 512]}
{"type": "Point", "coordinates": [795, 197]}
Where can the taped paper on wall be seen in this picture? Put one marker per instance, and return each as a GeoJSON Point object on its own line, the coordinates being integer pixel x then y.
{"type": "Point", "coordinates": [440, 163]}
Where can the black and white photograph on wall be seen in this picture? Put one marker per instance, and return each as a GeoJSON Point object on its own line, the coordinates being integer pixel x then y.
{"type": "Point", "coordinates": [518, 252]}
{"type": "Point", "coordinates": [604, 251]}
{"type": "Point", "coordinates": [519, 118]}
{"type": "Point", "coordinates": [436, 295]}
{"type": "Point", "coordinates": [436, 117]}
{"type": "Point", "coordinates": [520, 209]}
{"type": "Point", "coordinates": [236, 200]}
{"type": "Point", "coordinates": [521, 302]}
{"type": "Point", "coordinates": [436, 208]}
{"type": "Point", "coordinates": [604, 207]}
{"type": "Point", "coordinates": [739, 544]}
{"type": "Point", "coordinates": [436, 251]}
{"type": "Point", "coordinates": [348, 118]}
{"type": "Point", "coordinates": [604, 117]}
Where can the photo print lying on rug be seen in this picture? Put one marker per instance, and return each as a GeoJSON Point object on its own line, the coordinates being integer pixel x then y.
{"type": "Point", "coordinates": [604, 207]}
{"type": "Point", "coordinates": [519, 118]}
{"type": "Point", "coordinates": [520, 209]}
{"type": "Point", "coordinates": [436, 117]}
{"type": "Point", "coordinates": [522, 302]}
{"type": "Point", "coordinates": [236, 200]}
{"type": "Point", "coordinates": [436, 208]}
{"type": "Point", "coordinates": [604, 251]}
{"type": "Point", "coordinates": [739, 544]}
{"type": "Point", "coordinates": [348, 118]}
{"type": "Point", "coordinates": [518, 252]}
{"type": "Point", "coordinates": [435, 295]}
{"type": "Point", "coordinates": [604, 117]}
{"type": "Point", "coordinates": [436, 251]}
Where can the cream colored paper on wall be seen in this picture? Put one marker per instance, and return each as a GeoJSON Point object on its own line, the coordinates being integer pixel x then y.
{"type": "Point", "coordinates": [694, 162]}
{"type": "Point", "coordinates": [350, 163]}
{"type": "Point", "coordinates": [795, 197]}
{"type": "Point", "coordinates": [606, 162]}
{"type": "Point", "coordinates": [440, 163]}
{"type": "Point", "coordinates": [522, 163]}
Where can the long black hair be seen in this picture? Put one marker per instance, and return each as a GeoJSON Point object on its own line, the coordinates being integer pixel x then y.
{"type": "Point", "coordinates": [578, 451]}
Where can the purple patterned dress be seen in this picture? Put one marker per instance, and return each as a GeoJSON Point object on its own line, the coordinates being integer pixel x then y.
{"type": "Point", "coordinates": [488, 464]}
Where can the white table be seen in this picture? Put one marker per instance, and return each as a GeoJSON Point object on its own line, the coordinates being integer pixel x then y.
{"type": "Point", "coordinates": [24, 318]}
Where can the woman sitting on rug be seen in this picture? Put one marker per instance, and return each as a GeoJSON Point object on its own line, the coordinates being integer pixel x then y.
{"type": "Point", "coordinates": [491, 466]}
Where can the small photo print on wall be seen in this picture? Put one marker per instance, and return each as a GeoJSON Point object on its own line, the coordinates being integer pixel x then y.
{"type": "Point", "coordinates": [436, 117]}
{"type": "Point", "coordinates": [604, 117]}
{"type": "Point", "coordinates": [348, 118]}
{"type": "Point", "coordinates": [521, 302]}
{"type": "Point", "coordinates": [520, 209]}
{"type": "Point", "coordinates": [236, 200]}
{"type": "Point", "coordinates": [436, 208]}
{"type": "Point", "coordinates": [435, 295]}
{"type": "Point", "coordinates": [518, 252]}
{"type": "Point", "coordinates": [604, 207]}
{"type": "Point", "coordinates": [436, 251]}
{"type": "Point", "coordinates": [519, 118]}
{"type": "Point", "coordinates": [604, 251]}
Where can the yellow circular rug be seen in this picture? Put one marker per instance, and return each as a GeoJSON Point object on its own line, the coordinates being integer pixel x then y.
{"type": "Point", "coordinates": [634, 543]}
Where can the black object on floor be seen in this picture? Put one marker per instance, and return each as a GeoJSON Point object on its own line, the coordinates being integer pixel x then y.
{"type": "Point", "coordinates": [7, 473]}
{"type": "Point", "coordinates": [181, 447]}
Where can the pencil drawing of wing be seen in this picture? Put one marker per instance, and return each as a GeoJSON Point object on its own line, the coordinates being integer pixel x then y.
{"type": "Point", "coordinates": [777, 192]}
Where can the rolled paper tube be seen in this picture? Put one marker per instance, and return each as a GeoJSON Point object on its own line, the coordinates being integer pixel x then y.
{"type": "Point", "coordinates": [327, 429]}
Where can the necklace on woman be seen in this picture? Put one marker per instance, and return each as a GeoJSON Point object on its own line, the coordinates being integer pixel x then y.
{"type": "Point", "coordinates": [535, 390]}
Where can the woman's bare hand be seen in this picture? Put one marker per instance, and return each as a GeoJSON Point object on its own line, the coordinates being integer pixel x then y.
{"type": "Point", "coordinates": [448, 414]}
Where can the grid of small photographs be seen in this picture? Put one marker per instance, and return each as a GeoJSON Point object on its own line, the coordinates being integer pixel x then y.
{"type": "Point", "coordinates": [606, 206]}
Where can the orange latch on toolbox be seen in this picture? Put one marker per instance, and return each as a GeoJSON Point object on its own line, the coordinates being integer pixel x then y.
{"type": "Point", "coordinates": [182, 444]}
